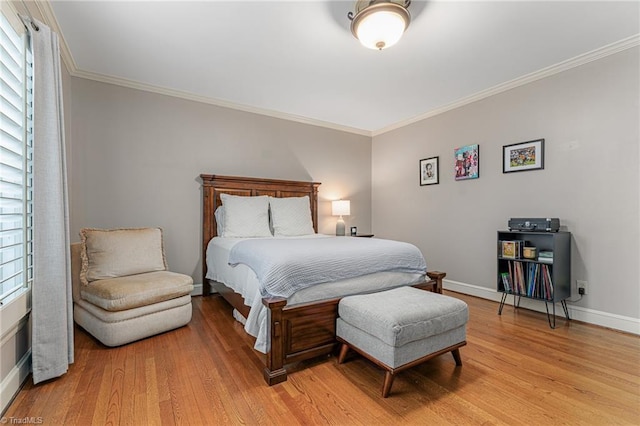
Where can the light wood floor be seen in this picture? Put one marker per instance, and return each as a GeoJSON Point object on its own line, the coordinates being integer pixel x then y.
{"type": "Point", "coordinates": [516, 370]}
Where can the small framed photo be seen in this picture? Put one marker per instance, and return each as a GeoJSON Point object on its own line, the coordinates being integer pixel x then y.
{"type": "Point", "coordinates": [467, 162]}
{"type": "Point", "coordinates": [508, 249]}
{"type": "Point", "coordinates": [519, 157]}
{"type": "Point", "coordinates": [354, 230]}
{"type": "Point", "coordinates": [429, 171]}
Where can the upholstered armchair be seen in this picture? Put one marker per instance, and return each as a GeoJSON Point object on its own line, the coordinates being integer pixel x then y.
{"type": "Point", "coordinates": [122, 289]}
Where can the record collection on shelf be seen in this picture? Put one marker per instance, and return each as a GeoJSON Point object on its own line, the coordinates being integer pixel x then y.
{"type": "Point", "coordinates": [528, 279]}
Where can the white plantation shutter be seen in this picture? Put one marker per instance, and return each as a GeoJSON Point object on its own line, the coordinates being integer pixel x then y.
{"type": "Point", "coordinates": [16, 153]}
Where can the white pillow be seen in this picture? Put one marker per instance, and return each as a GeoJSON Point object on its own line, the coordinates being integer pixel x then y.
{"type": "Point", "coordinates": [219, 215]}
{"type": "Point", "coordinates": [245, 217]}
{"type": "Point", "coordinates": [291, 216]}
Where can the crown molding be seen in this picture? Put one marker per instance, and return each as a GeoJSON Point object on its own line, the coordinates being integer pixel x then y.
{"type": "Point", "coordinates": [45, 10]}
{"type": "Point", "coordinates": [103, 78]}
{"type": "Point", "coordinates": [49, 18]}
{"type": "Point", "coordinates": [577, 61]}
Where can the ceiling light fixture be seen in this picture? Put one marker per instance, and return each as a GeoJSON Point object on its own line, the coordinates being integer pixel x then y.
{"type": "Point", "coordinates": [379, 24]}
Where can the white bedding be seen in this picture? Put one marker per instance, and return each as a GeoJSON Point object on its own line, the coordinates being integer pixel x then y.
{"type": "Point", "coordinates": [243, 281]}
{"type": "Point", "coordinates": [285, 266]}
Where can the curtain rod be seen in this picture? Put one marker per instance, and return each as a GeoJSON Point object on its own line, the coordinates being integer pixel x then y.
{"type": "Point", "coordinates": [33, 23]}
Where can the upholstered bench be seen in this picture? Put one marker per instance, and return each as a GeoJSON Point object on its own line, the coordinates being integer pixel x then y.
{"type": "Point", "coordinates": [401, 328]}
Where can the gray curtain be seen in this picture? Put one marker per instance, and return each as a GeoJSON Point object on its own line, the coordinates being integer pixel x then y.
{"type": "Point", "coordinates": [52, 303]}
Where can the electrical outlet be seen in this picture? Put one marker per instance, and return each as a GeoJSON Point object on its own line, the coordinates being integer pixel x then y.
{"type": "Point", "coordinates": [582, 286]}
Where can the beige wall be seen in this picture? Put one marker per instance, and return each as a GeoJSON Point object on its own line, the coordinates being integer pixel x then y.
{"type": "Point", "coordinates": [589, 117]}
{"type": "Point", "coordinates": [135, 158]}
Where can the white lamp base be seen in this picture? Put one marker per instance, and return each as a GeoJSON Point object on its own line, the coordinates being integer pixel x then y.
{"type": "Point", "coordinates": [340, 227]}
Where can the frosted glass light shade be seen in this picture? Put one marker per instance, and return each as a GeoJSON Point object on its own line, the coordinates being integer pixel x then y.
{"type": "Point", "coordinates": [380, 30]}
{"type": "Point", "coordinates": [341, 208]}
{"type": "Point", "coordinates": [380, 25]}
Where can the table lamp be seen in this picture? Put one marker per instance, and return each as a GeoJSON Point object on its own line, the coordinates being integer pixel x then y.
{"type": "Point", "coordinates": [340, 208]}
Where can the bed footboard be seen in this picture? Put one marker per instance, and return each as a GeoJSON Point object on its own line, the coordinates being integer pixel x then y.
{"type": "Point", "coordinates": [308, 330]}
{"type": "Point", "coordinates": [435, 282]}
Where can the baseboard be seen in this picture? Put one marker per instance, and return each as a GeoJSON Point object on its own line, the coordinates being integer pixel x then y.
{"type": "Point", "coordinates": [197, 290]}
{"type": "Point", "coordinates": [11, 384]}
{"type": "Point", "coordinates": [591, 316]}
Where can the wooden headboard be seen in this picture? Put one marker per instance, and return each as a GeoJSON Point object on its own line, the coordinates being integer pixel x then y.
{"type": "Point", "coordinates": [214, 185]}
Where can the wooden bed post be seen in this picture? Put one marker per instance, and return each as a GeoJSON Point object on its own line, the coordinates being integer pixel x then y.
{"type": "Point", "coordinates": [274, 371]}
{"type": "Point", "coordinates": [438, 276]}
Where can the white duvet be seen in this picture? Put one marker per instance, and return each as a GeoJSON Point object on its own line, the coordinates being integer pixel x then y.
{"type": "Point", "coordinates": [285, 266]}
{"type": "Point", "coordinates": [308, 268]}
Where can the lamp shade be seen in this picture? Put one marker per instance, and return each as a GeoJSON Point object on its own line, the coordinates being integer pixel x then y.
{"type": "Point", "coordinates": [380, 25]}
{"type": "Point", "coordinates": [341, 208]}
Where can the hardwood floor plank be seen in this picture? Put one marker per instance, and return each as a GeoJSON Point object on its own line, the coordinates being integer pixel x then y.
{"type": "Point", "coordinates": [85, 401]}
{"type": "Point", "coordinates": [151, 395]}
{"type": "Point", "coordinates": [515, 371]}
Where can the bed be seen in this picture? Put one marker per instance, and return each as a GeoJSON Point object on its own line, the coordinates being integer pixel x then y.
{"type": "Point", "coordinates": [294, 331]}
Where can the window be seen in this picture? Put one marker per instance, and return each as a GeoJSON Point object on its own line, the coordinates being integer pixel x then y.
{"type": "Point", "coordinates": [16, 155]}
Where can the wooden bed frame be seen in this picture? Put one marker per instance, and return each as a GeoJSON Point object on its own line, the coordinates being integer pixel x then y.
{"type": "Point", "coordinates": [298, 332]}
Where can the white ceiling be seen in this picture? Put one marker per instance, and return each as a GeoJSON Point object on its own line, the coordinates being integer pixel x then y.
{"type": "Point", "coordinates": [298, 59]}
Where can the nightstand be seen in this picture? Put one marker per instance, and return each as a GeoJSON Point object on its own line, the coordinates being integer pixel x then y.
{"type": "Point", "coordinates": [363, 235]}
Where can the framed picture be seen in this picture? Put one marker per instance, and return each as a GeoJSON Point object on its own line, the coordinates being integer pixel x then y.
{"type": "Point", "coordinates": [519, 157]}
{"type": "Point", "coordinates": [354, 230]}
{"type": "Point", "coordinates": [508, 249]}
{"type": "Point", "coordinates": [467, 162]}
{"type": "Point", "coordinates": [429, 171]}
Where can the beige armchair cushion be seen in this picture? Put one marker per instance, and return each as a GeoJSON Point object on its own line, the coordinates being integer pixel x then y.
{"type": "Point", "coordinates": [120, 252]}
{"type": "Point", "coordinates": [118, 294]}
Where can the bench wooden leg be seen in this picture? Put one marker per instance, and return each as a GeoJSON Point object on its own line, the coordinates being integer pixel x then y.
{"type": "Point", "coordinates": [343, 353]}
{"type": "Point", "coordinates": [388, 381]}
{"type": "Point", "coordinates": [456, 356]}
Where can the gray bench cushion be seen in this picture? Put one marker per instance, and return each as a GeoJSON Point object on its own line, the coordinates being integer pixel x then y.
{"type": "Point", "coordinates": [395, 357]}
{"type": "Point", "coordinates": [404, 314]}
